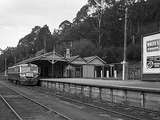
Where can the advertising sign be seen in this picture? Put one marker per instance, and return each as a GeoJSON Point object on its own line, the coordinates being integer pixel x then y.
{"type": "Point", "coordinates": [25, 69]}
{"type": "Point", "coordinates": [151, 54]}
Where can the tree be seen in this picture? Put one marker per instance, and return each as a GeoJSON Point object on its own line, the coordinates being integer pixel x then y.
{"type": "Point", "coordinates": [81, 15]}
{"type": "Point", "coordinates": [97, 31]}
{"type": "Point", "coordinates": [65, 25]}
{"type": "Point", "coordinates": [83, 45]}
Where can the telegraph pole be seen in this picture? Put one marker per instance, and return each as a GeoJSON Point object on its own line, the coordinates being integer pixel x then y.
{"type": "Point", "coordinates": [5, 62]}
{"type": "Point", "coordinates": [5, 73]}
{"type": "Point", "coordinates": [125, 42]}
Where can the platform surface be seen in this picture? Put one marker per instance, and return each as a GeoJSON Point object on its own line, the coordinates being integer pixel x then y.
{"type": "Point", "coordinates": [133, 84]}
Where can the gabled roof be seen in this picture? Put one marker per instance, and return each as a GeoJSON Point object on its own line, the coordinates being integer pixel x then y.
{"type": "Point", "coordinates": [90, 59]}
{"type": "Point", "coordinates": [54, 57]}
{"type": "Point", "coordinates": [72, 58]}
{"type": "Point", "coordinates": [47, 56]}
{"type": "Point", "coordinates": [76, 60]}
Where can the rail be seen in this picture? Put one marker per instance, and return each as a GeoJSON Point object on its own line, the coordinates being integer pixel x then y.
{"type": "Point", "coordinates": [54, 112]}
{"type": "Point", "coordinates": [120, 110]}
{"type": "Point", "coordinates": [11, 108]}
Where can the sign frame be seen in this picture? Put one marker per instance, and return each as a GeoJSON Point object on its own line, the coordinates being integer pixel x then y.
{"type": "Point", "coordinates": [148, 76]}
{"type": "Point", "coordinates": [151, 54]}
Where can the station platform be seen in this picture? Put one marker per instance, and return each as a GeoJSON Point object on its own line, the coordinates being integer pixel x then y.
{"type": "Point", "coordinates": [135, 93]}
{"type": "Point", "coordinates": [128, 84]}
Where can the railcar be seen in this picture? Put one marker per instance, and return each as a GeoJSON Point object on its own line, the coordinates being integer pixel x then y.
{"type": "Point", "coordinates": [24, 74]}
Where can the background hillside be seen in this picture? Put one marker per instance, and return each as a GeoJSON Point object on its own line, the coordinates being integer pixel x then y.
{"type": "Point", "coordinates": [95, 30]}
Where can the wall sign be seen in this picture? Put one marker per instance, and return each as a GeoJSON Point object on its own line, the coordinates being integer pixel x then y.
{"type": "Point", "coordinates": [151, 54]}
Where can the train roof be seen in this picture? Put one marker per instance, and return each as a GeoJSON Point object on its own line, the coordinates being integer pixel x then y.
{"type": "Point", "coordinates": [23, 65]}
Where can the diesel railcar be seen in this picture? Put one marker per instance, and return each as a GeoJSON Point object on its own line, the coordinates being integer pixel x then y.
{"type": "Point", "coordinates": [24, 74]}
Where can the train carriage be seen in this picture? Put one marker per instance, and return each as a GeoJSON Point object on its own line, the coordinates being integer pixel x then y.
{"type": "Point", "coordinates": [24, 74]}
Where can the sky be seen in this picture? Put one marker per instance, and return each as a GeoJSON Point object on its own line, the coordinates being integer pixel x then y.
{"type": "Point", "coordinates": [18, 17]}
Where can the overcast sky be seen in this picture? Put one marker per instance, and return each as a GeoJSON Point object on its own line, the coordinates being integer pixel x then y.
{"type": "Point", "coordinates": [18, 17]}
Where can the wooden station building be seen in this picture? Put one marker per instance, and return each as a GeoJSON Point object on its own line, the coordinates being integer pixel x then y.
{"type": "Point", "coordinates": [54, 65]}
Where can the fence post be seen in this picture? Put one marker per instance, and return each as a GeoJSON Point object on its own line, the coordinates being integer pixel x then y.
{"type": "Point", "coordinates": [75, 89]}
{"type": "Point", "coordinates": [59, 86]}
{"type": "Point", "coordinates": [47, 84]}
{"type": "Point", "coordinates": [125, 96]}
{"type": "Point", "coordinates": [101, 73]}
{"type": "Point", "coordinates": [115, 74]}
{"type": "Point", "coordinates": [100, 93]}
{"type": "Point", "coordinates": [55, 86]}
{"type": "Point", "coordinates": [111, 95]}
{"type": "Point", "coordinates": [63, 87]}
{"type": "Point", "coordinates": [69, 90]}
{"type": "Point", "coordinates": [107, 74]}
{"type": "Point", "coordinates": [95, 73]}
{"type": "Point", "coordinates": [52, 85]}
{"type": "Point", "coordinates": [90, 92]}
{"type": "Point", "coordinates": [142, 99]}
{"type": "Point", "coordinates": [82, 90]}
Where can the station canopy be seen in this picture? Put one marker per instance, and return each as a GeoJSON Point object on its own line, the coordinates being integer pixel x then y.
{"type": "Point", "coordinates": [50, 56]}
{"type": "Point", "coordinates": [54, 57]}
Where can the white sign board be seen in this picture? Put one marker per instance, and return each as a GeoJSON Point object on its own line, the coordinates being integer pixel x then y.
{"type": "Point", "coordinates": [151, 54]}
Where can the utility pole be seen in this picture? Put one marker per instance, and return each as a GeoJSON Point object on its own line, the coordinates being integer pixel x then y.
{"type": "Point", "coordinates": [5, 73]}
{"type": "Point", "coordinates": [125, 42]}
{"type": "Point", "coordinates": [5, 62]}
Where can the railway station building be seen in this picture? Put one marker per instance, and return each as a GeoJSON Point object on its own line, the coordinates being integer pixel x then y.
{"type": "Point", "coordinates": [54, 65]}
{"type": "Point", "coordinates": [95, 67]}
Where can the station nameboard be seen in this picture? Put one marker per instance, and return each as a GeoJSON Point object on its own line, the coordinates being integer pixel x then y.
{"type": "Point", "coordinates": [151, 54]}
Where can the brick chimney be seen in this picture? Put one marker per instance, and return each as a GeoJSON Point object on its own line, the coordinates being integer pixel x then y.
{"type": "Point", "coordinates": [68, 54]}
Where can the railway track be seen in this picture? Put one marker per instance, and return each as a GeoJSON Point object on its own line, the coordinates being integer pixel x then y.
{"type": "Point", "coordinates": [21, 107]}
{"type": "Point", "coordinates": [133, 113]}
{"type": "Point", "coordinates": [7, 112]}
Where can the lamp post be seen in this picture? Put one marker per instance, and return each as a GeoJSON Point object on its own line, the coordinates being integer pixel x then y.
{"type": "Point", "coordinates": [125, 43]}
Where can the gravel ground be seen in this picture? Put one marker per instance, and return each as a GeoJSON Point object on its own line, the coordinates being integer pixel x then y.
{"type": "Point", "coordinates": [5, 112]}
{"type": "Point", "coordinates": [72, 110]}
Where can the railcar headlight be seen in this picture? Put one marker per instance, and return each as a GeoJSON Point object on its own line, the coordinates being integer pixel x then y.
{"type": "Point", "coordinates": [23, 75]}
